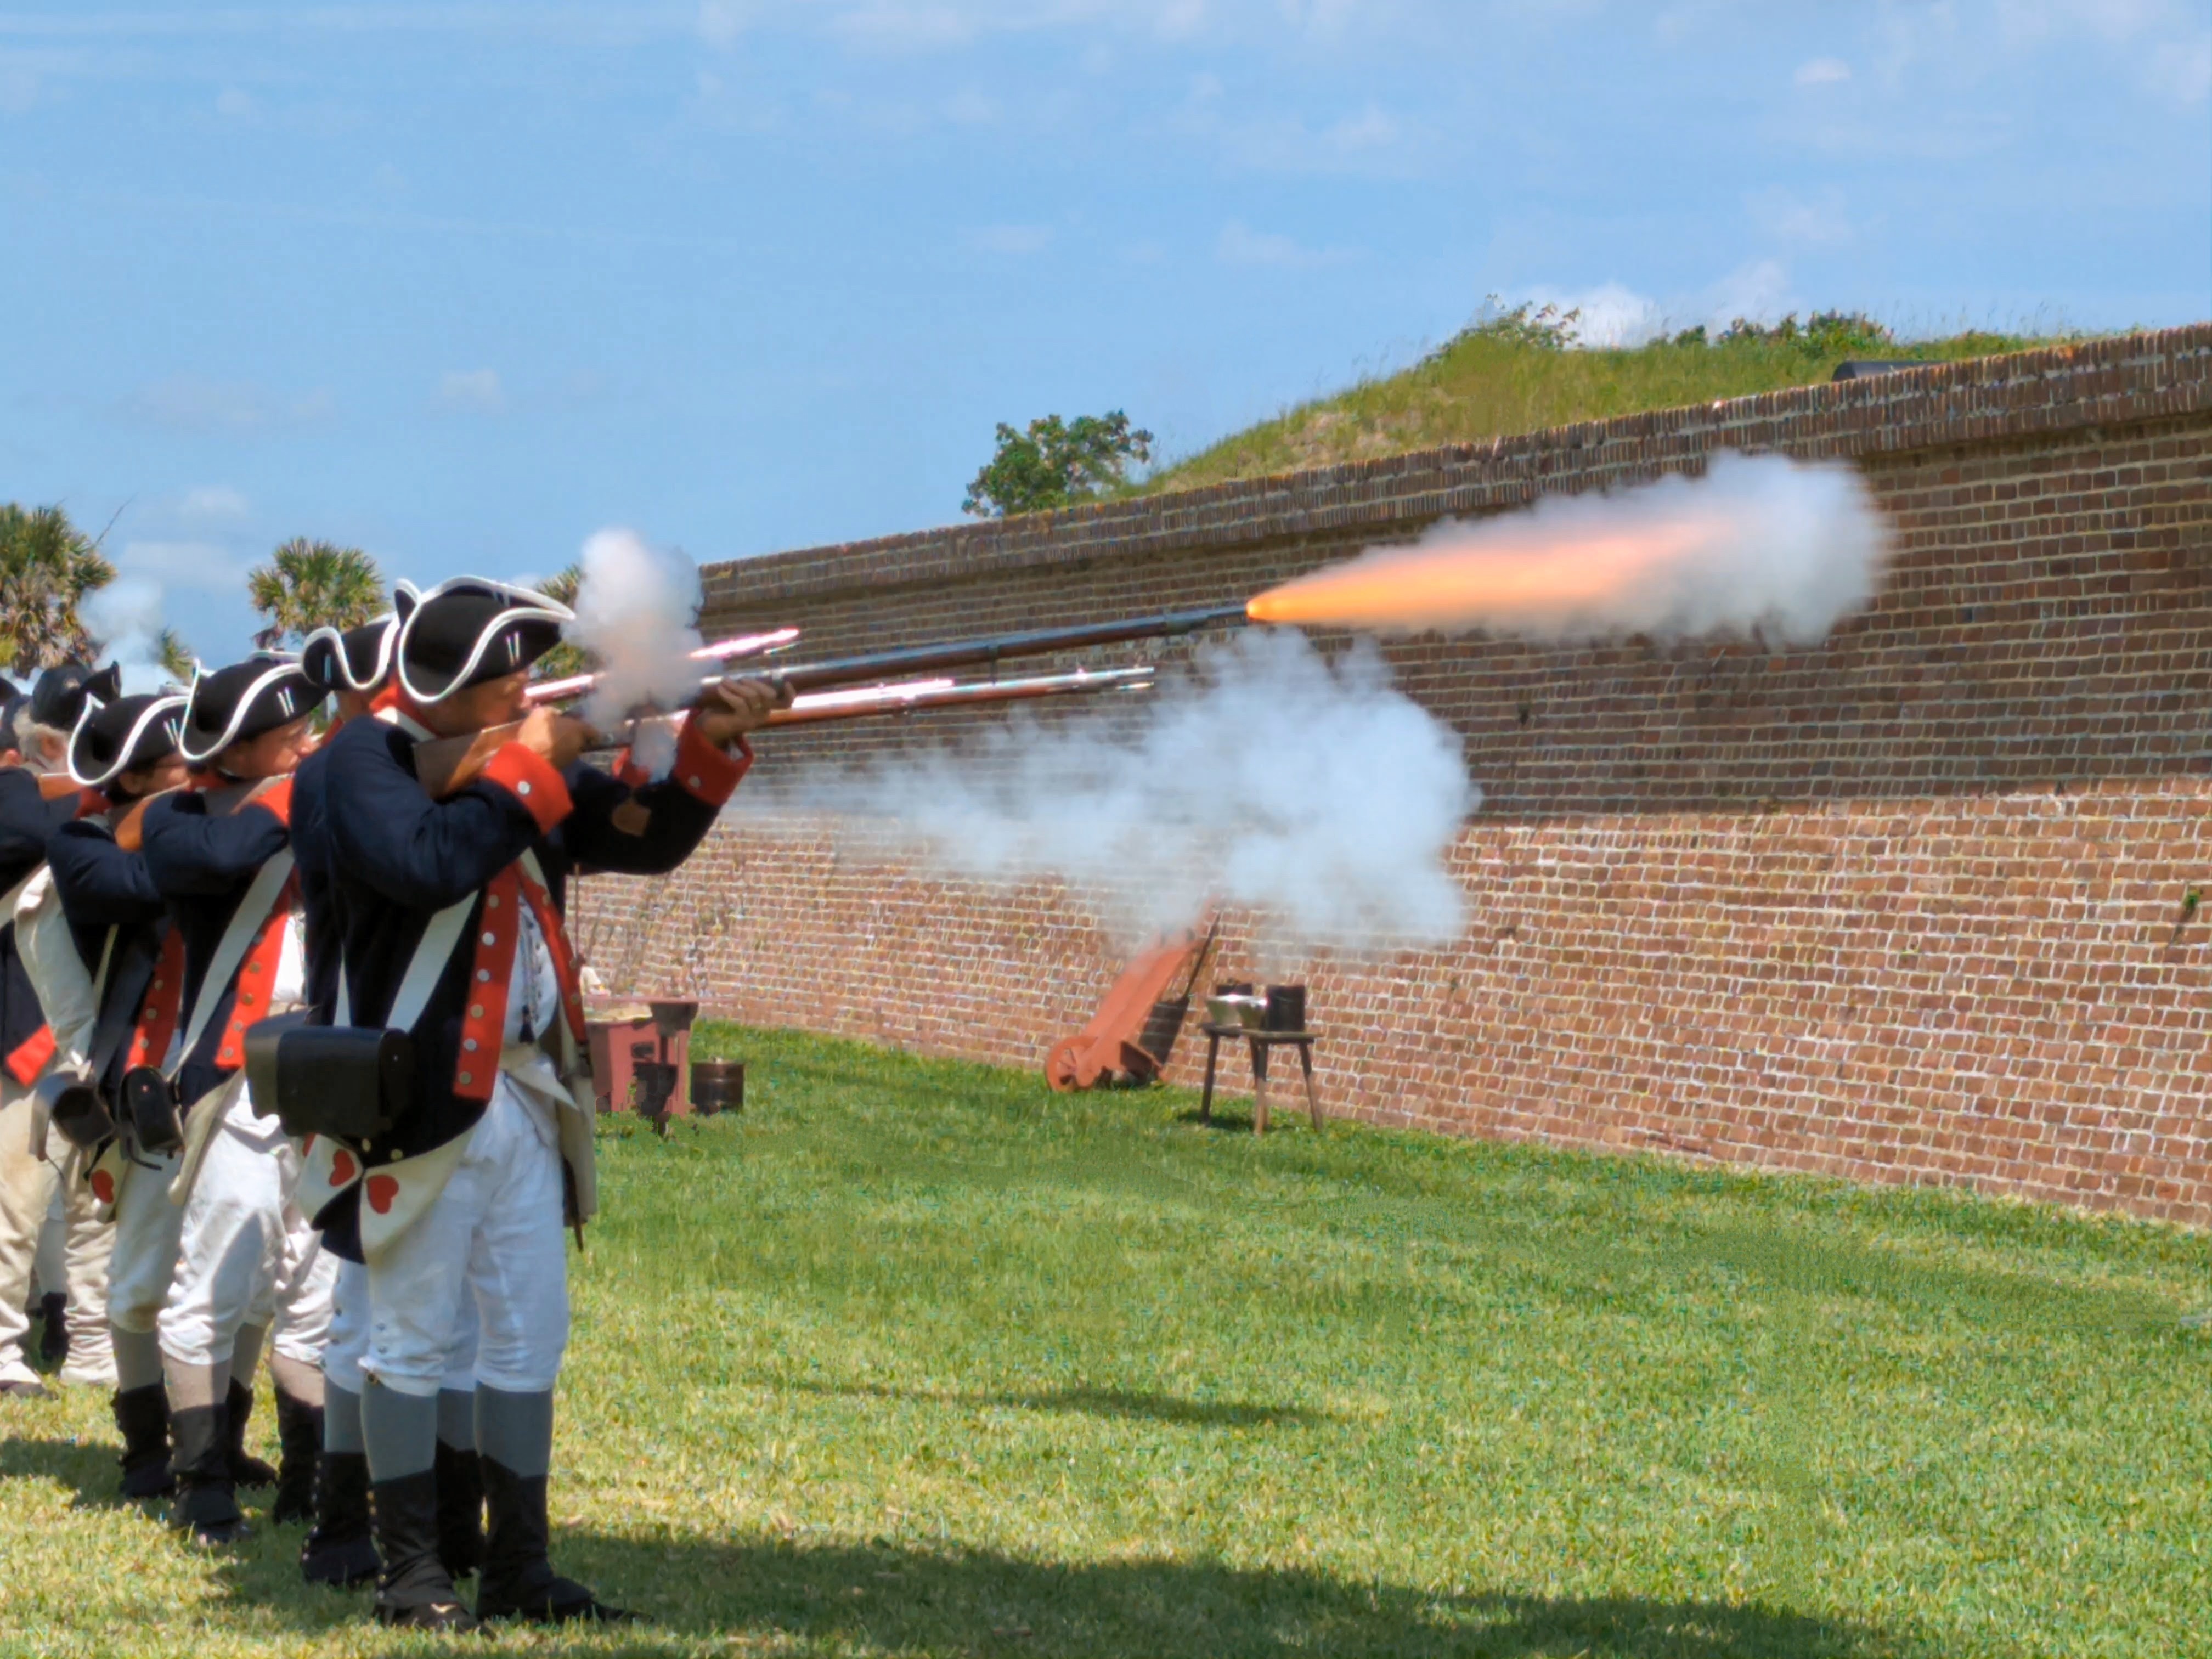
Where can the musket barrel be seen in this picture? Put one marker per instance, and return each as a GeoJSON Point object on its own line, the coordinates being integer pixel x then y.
{"type": "Point", "coordinates": [981, 652]}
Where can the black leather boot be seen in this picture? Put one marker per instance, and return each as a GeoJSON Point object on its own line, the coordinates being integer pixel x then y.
{"type": "Point", "coordinates": [299, 1439]}
{"type": "Point", "coordinates": [207, 1502]}
{"type": "Point", "coordinates": [518, 1582]}
{"type": "Point", "coordinates": [246, 1472]}
{"type": "Point", "coordinates": [414, 1592]}
{"type": "Point", "coordinates": [460, 1511]}
{"type": "Point", "coordinates": [339, 1551]}
{"type": "Point", "coordinates": [141, 1415]}
{"type": "Point", "coordinates": [53, 1340]}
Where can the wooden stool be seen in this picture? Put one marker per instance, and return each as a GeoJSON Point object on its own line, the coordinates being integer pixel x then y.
{"type": "Point", "coordinates": [1261, 1042]}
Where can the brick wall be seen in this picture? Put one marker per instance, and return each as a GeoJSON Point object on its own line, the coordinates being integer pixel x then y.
{"type": "Point", "coordinates": [1907, 906]}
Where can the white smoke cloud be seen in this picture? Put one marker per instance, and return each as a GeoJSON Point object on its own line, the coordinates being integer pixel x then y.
{"type": "Point", "coordinates": [635, 611]}
{"type": "Point", "coordinates": [1269, 778]}
{"type": "Point", "coordinates": [126, 614]}
{"type": "Point", "coordinates": [1758, 544]}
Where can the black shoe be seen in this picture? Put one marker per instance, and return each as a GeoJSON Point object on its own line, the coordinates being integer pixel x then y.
{"type": "Point", "coordinates": [414, 1591]}
{"type": "Point", "coordinates": [21, 1390]}
{"type": "Point", "coordinates": [142, 1416]}
{"type": "Point", "coordinates": [249, 1473]}
{"type": "Point", "coordinates": [518, 1582]}
{"type": "Point", "coordinates": [300, 1436]}
{"type": "Point", "coordinates": [460, 1511]}
{"type": "Point", "coordinates": [207, 1501]}
{"type": "Point", "coordinates": [562, 1601]}
{"type": "Point", "coordinates": [339, 1551]}
{"type": "Point", "coordinates": [437, 1617]}
{"type": "Point", "coordinates": [53, 1340]}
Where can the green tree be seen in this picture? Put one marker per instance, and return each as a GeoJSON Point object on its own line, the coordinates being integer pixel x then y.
{"type": "Point", "coordinates": [308, 585]}
{"type": "Point", "coordinates": [564, 658]}
{"type": "Point", "coordinates": [174, 655]}
{"type": "Point", "coordinates": [47, 568]}
{"type": "Point", "coordinates": [1056, 464]}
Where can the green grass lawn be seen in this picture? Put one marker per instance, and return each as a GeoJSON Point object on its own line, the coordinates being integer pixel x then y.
{"type": "Point", "coordinates": [1502, 378]}
{"type": "Point", "coordinates": [916, 1358]}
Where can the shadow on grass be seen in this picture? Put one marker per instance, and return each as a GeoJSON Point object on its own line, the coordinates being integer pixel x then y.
{"type": "Point", "coordinates": [89, 1468]}
{"type": "Point", "coordinates": [900, 1598]}
{"type": "Point", "coordinates": [1094, 1402]}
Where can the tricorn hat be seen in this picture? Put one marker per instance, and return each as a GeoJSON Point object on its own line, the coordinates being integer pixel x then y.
{"type": "Point", "coordinates": [57, 698]}
{"type": "Point", "coordinates": [470, 629]}
{"type": "Point", "coordinates": [124, 736]}
{"type": "Point", "coordinates": [268, 689]}
{"type": "Point", "coordinates": [358, 659]}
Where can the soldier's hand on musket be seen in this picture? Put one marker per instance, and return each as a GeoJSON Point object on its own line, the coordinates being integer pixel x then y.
{"type": "Point", "coordinates": [556, 738]}
{"type": "Point", "coordinates": [732, 707]}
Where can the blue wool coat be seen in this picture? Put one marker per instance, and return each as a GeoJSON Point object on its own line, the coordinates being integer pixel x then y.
{"type": "Point", "coordinates": [393, 858]}
{"type": "Point", "coordinates": [27, 823]}
{"type": "Point", "coordinates": [202, 864]}
{"type": "Point", "coordinates": [104, 888]}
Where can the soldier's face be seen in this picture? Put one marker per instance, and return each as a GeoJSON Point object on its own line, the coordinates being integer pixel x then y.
{"type": "Point", "coordinates": [170, 773]}
{"type": "Point", "coordinates": [272, 754]}
{"type": "Point", "coordinates": [476, 707]}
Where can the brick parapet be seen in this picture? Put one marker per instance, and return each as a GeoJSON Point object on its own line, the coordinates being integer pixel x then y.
{"type": "Point", "coordinates": [1903, 906]}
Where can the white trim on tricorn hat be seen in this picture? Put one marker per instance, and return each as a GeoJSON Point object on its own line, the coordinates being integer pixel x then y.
{"type": "Point", "coordinates": [157, 709]}
{"type": "Point", "coordinates": [333, 641]}
{"type": "Point", "coordinates": [279, 665]}
{"type": "Point", "coordinates": [520, 604]}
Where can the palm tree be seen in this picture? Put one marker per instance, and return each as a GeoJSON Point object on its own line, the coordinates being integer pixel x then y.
{"type": "Point", "coordinates": [175, 656]}
{"type": "Point", "coordinates": [47, 568]}
{"type": "Point", "coordinates": [563, 660]}
{"type": "Point", "coordinates": [308, 585]}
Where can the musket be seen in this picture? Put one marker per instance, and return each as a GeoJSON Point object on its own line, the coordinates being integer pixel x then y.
{"type": "Point", "coordinates": [745, 645]}
{"type": "Point", "coordinates": [443, 765]}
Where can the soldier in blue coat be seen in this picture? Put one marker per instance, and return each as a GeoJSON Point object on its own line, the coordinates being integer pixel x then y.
{"type": "Point", "coordinates": [355, 664]}
{"type": "Point", "coordinates": [36, 798]}
{"type": "Point", "coordinates": [450, 911]}
{"type": "Point", "coordinates": [247, 1259]}
{"type": "Point", "coordinates": [126, 751]}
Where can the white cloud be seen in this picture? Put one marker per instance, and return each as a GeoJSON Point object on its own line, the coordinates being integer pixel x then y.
{"type": "Point", "coordinates": [213, 504]}
{"type": "Point", "coordinates": [187, 402]}
{"type": "Point", "coordinates": [1786, 218]}
{"type": "Point", "coordinates": [1240, 244]}
{"type": "Point", "coordinates": [1759, 292]}
{"type": "Point", "coordinates": [887, 26]}
{"type": "Point", "coordinates": [473, 391]}
{"type": "Point", "coordinates": [2182, 70]}
{"type": "Point", "coordinates": [971, 108]}
{"type": "Point", "coordinates": [721, 22]}
{"type": "Point", "coordinates": [1610, 314]}
{"type": "Point", "coordinates": [208, 565]}
{"type": "Point", "coordinates": [1822, 72]}
{"type": "Point", "coordinates": [1015, 241]}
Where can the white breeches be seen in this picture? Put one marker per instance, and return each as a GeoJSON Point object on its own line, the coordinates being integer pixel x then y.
{"type": "Point", "coordinates": [492, 1239]}
{"type": "Point", "coordinates": [245, 1254]}
{"type": "Point", "coordinates": [30, 1189]}
{"type": "Point", "coordinates": [349, 1343]}
{"type": "Point", "coordinates": [145, 1260]}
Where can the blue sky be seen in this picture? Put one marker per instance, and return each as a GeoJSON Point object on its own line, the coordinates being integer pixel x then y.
{"type": "Point", "coordinates": [462, 283]}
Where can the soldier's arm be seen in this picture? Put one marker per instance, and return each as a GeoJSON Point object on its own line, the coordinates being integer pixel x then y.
{"type": "Point", "coordinates": [100, 884]}
{"type": "Point", "coordinates": [191, 851]}
{"type": "Point", "coordinates": [650, 829]}
{"type": "Point", "coordinates": [384, 831]}
{"type": "Point", "coordinates": [27, 822]}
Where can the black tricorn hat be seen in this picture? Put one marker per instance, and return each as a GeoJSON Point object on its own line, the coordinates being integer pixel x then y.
{"type": "Point", "coordinates": [58, 698]}
{"type": "Point", "coordinates": [355, 660]}
{"type": "Point", "coordinates": [470, 629]}
{"type": "Point", "coordinates": [267, 690]}
{"type": "Point", "coordinates": [123, 736]}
